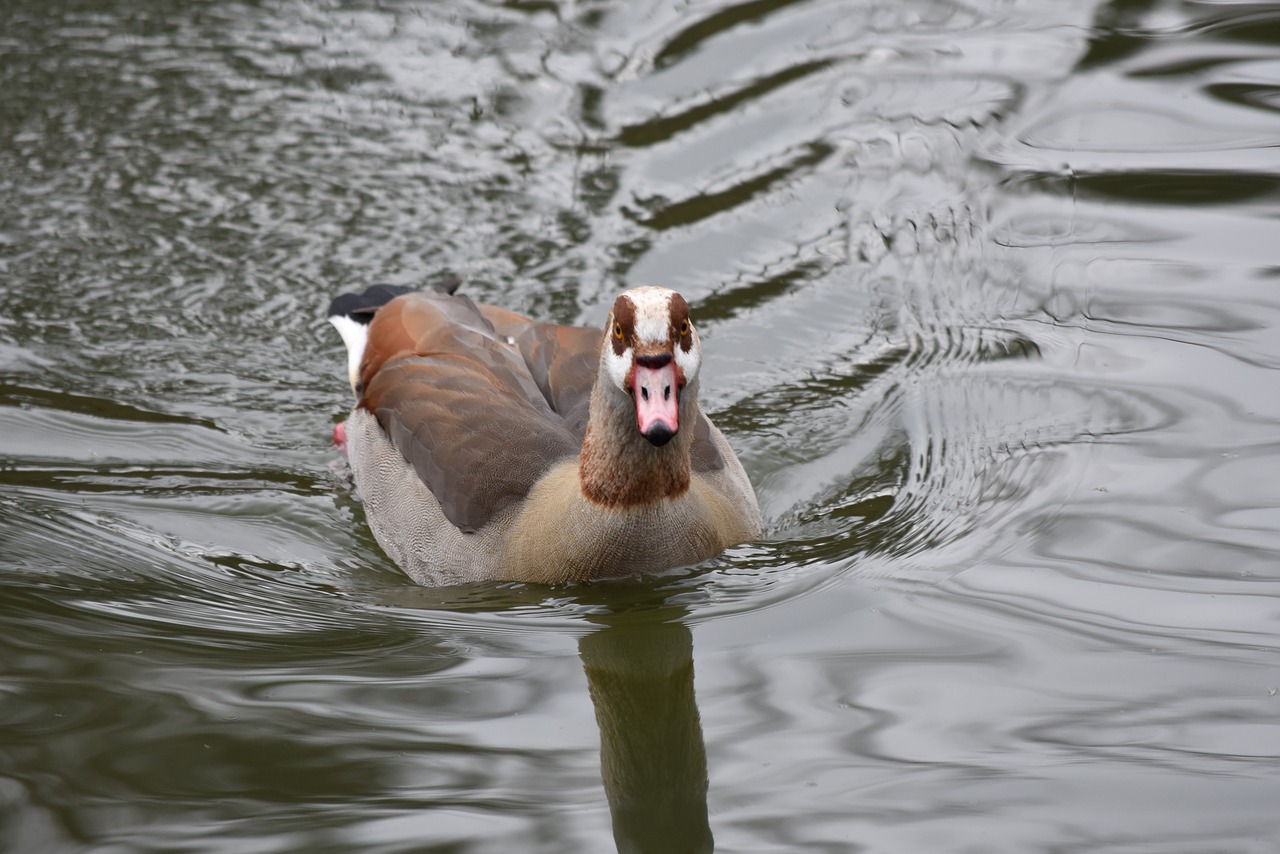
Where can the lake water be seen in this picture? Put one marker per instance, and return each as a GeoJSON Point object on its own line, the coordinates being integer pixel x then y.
{"type": "Point", "coordinates": [990, 294]}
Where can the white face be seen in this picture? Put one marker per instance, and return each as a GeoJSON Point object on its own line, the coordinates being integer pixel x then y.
{"type": "Point", "coordinates": [650, 320]}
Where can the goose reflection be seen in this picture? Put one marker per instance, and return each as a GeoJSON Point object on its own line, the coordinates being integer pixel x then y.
{"type": "Point", "coordinates": [639, 668]}
{"type": "Point", "coordinates": [638, 660]}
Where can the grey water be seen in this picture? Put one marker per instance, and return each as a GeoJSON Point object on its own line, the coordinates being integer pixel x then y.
{"type": "Point", "coordinates": [990, 297]}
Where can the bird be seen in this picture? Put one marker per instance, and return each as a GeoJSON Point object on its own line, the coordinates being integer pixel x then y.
{"type": "Point", "coordinates": [487, 446]}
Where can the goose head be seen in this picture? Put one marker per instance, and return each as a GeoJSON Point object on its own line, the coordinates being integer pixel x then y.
{"type": "Point", "coordinates": [651, 353]}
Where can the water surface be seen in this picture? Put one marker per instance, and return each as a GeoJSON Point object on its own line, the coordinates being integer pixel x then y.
{"type": "Point", "coordinates": [988, 293]}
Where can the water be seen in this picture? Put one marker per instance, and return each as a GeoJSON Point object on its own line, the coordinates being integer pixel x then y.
{"type": "Point", "coordinates": [988, 298]}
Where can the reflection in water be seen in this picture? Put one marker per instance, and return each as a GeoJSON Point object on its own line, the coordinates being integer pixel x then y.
{"type": "Point", "coordinates": [637, 654]}
{"type": "Point", "coordinates": [640, 672]}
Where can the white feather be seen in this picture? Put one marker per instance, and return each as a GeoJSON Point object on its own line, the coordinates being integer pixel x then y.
{"type": "Point", "coordinates": [618, 366]}
{"type": "Point", "coordinates": [355, 336]}
{"type": "Point", "coordinates": [691, 362]}
{"type": "Point", "coordinates": [653, 314]}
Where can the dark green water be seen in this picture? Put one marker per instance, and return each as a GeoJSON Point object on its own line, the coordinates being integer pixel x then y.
{"type": "Point", "coordinates": [989, 293]}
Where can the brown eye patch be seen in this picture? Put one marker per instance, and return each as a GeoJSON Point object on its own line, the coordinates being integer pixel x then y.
{"type": "Point", "coordinates": [680, 322]}
{"type": "Point", "coordinates": [624, 323]}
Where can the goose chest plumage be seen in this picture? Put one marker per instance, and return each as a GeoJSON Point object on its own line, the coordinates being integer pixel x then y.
{"type": "Point", "coordinates": [488, 446]}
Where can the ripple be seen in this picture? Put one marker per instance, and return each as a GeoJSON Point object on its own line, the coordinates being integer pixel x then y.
{"type": "Point", "coordinates": [708, 203]}
{"type": "Point", "coordinates": [1135, 128]}
{"type": "Point", "coordinates": [987, 294]}
{"type": "Point", "coordinates": [1189, 187]}
{"type": "Point", "coordinates": [694, 34]}
{"type": "Point", "coordinates": [664, 127]}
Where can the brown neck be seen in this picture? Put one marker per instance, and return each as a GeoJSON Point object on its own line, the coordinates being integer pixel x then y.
{"type": "Point", "coordinates": [619, 467]}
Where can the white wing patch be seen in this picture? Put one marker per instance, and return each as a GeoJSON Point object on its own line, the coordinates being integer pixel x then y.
{"type": "Point", "coordinates": [355, 336]}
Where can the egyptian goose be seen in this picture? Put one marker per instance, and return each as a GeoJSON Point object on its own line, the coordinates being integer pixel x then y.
{"type": "Point", "coordinates": [488, 446]}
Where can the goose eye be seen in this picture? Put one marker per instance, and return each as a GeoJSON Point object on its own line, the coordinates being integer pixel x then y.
{"type": "Point", "coordinates": [684, 328]}
{"type": "Point", "coordinates": [617, 331]}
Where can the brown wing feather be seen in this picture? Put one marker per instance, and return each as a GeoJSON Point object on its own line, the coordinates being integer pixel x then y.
{"type": "Point", "coordinates": [460, 405]}
{"type": "Point", "coordinates": [562, 360]}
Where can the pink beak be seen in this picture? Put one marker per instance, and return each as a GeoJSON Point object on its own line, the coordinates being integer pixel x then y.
{"type": "Point", "coordinates": [657, 394]}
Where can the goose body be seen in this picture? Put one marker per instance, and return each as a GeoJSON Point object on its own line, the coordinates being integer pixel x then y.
{"type": "Point", "coordinates": [488, 446]}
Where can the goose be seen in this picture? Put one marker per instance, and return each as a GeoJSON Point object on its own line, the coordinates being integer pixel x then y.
{"type": "Point", "coordinates": [487, 446]}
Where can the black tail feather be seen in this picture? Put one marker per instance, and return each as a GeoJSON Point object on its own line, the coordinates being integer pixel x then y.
{"type": "Point", "coordinates": [361, 307]}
